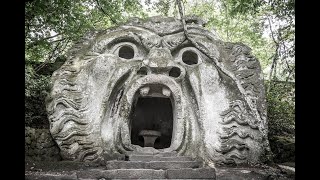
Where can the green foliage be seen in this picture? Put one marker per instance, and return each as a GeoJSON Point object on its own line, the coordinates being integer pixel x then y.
{"type": "Point", "coordinates": [281, 109]}
{"type": "Point", "coordinates": [266, 28]}
{"type": "Point", "coordinates": [235, 28]}
{"type": "Point", "coordinates": [51, 26]}
{"type": "Point", "coordinates": [281, 120]}
{"type": "Point", "coordinates": [244, 6]}
{"type": "Point", "coordinates": [162, 7]}
{"type": "Point", "coordinates": [36, 89]}
{"type": "Point", "coordinates": [283, 148]}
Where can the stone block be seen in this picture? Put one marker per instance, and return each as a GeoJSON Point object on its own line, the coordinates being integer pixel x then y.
{"type": "Point", "coordinates": [125, 165]}
{"type": "Point", "coordinates": [156, 158]}
{"type": "Point", "coordinates": [152, 164]}
{"type": "Point", "coordinates": [172, 164]}
{"type": "Point", "coordinates": [188, 173]}
{"type": "Point", "coordinates": [243, 174]}
{"type": "Point", "coordinates": [48, 176]}
{"type": "Point", "coordinates": [122, 173]}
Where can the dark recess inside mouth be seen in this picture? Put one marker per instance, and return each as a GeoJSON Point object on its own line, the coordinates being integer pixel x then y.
{"type": "Point", "coordinates": [152, 113]}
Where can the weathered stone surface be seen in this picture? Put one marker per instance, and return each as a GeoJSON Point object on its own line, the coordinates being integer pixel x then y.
{"type": "Point", "coordinates": [173, 164]}
{"type": "Point", "coordinates": [82, 170]}
{"type": "Point", "coordinates": [215, 89]}
{"type": "Point", "coordinates": [152, 164]}
{"type": "Point", "coordinates": [114, 156]}
{"type": "Point", "coordinates": [240, 175]}
{"type": "Point", "coordinates": [188, 173]}
{"type": "Point", "coordinates": [123, 173]}
{"type": "Point", "coordinates": [125, 165]}
{"type": "Point", "coordinates": [50, 176]}
{"type": "Point", "coordinates": [247, 173]}
{"type": "Point", "coordinates": [155, 158]}
{"type": "Point", "coordinates": [39, 145]}
{"type": "Point", "coordinates": [152, 151]}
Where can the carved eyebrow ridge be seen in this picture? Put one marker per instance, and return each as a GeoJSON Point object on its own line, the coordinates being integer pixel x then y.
{"type": "Point", "coordinates": [130, 37]}
{"type": "Point", "coordinates": [137, 39]}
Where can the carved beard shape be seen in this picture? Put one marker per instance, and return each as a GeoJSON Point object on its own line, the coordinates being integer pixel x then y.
{"type": "Point", "coordinates": [95, 93]}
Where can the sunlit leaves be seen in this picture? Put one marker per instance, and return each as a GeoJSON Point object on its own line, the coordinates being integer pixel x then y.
{"type": "Point", "coordinates": [281, 108]}
{"type": "Point", "coordinates": [235, 27]}
{"type": "Point", "coordinates": [244, 6]}
{"type": "Point", "coordinates": [70, 19]}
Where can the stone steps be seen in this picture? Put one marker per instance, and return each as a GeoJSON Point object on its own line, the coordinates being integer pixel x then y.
{"type": "Point", "coordinates": [153, 151]}
{"type": "Point", "coordinates": [158, 158]}
{"type": "Point", "coordinates": [152, 164]}
{"type": "Point", "coordinates": [183, 173]}
{"type": "Point", "coordinates": [141, 166]}
{"type": "Point", "coordinates": [75, 171]}
{"type": "Point", "coordinates": [189, 173]}
{"type": "Point", "coordinates": [157, 154]}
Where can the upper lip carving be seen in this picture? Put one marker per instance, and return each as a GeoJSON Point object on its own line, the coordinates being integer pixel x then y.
{"type": "Point", "coordinates": [154, 90]}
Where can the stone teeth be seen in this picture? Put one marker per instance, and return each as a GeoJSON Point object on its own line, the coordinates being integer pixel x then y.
{"type": "Point", "coordinates": [144, 91]}
{"type": "Point", "coordinates": [166, 92]}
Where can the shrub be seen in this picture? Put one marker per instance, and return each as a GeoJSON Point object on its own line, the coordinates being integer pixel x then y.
{"type": "Point", "coordinates": [36, 89]}
{"type": "Point", "coordinates": [281, 121]}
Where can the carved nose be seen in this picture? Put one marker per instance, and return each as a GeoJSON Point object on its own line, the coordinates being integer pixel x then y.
{"type": "Point", "coordinates": [159, 57]}
{"type": "Point", "coordinates": [160, 61]}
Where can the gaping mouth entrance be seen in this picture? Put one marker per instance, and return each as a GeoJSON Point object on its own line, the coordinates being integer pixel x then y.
{"type": "Point", "coordinates": [152, 117]}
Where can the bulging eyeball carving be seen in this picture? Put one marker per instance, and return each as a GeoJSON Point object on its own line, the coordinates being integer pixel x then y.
{"type": "Point", "coordinates": [140, 80]}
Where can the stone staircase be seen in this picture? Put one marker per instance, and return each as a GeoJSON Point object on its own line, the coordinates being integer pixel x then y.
{"type": "Point", "coordinates": [150, 166]}
{"type": "Point", "coordinates": [146, 166]}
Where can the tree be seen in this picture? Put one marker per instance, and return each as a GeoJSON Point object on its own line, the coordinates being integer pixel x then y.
{"type": "Point", "coordinates": [51, 26]}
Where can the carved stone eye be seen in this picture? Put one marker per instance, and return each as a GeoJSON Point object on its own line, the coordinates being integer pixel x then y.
{"type": "Point", "coordinates": [126, 52]}
{"type": "Point", "coordinates": [189, 57]}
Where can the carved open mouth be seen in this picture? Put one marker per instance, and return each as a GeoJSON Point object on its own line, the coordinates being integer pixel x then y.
{"type": "Point", "coordinates": [154, 112]}
{"type": "Point", "coordinates": [151, 117]}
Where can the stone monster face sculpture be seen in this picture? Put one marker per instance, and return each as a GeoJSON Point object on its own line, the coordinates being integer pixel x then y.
{"type": "Point", "coordinates": [205, 96]}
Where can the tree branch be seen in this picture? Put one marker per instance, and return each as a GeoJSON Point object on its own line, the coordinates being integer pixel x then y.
{"type": "Point", "coordinates": [227, 18]}
{"type": "Point", "coordinates": [48, 59]}
{"type": "Point", "coordinates": [272, 35]}
{"type": "Point", "coordinates": [289, 69]}
{"type": "Point", "coordinates": [43, 39]}
{"type": "Point", "coordinates": [104, 12]}
{"type": "Point", "coordinates": [275, 56]}
{"type": "Point", "coordinates": [58, 40]}
{"type": "Point", "coordinates": [53, 53]}
{"type": "Point", "coordinates": [273, 65]}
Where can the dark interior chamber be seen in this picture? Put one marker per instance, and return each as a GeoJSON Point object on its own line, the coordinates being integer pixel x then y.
{"type": "Point", "coordinates": [152, 113]}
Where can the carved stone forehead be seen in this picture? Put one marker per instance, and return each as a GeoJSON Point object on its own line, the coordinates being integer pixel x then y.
{"type": "Point", "coordinates": [166, 32]}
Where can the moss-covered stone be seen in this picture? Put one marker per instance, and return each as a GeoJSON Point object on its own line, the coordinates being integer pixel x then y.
{"type": "Point", "coordinates": [39, 145]}
{"type": "Point", "coordinates": [283, 148]}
